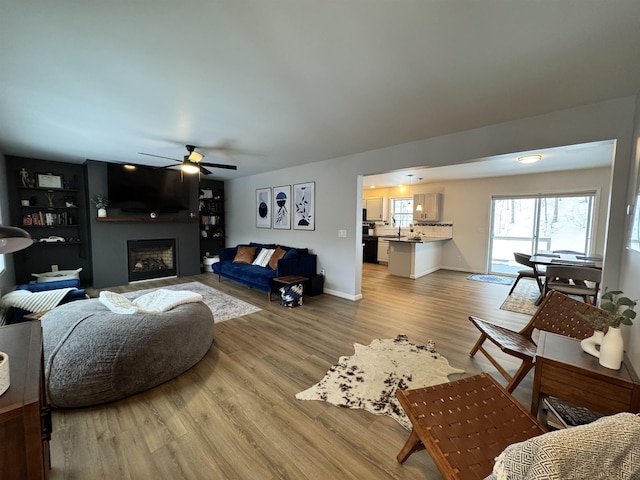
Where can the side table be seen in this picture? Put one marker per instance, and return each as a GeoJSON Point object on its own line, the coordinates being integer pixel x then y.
{"type": "Point", "coordinates": [288, 281]}
{"type": "Point", "coordinates": [565, 371]}
{"type": "Point", "coordinates": [25, 417]}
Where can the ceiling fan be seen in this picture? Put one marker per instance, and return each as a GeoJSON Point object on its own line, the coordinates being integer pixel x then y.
{"type": "Point", "coordinates": [192, 163]}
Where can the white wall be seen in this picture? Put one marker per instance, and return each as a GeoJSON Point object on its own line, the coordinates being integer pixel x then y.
{"type": "Point", "coordinates": [339, 188]}
{"type": "Point", "coordinates": [630, 267]}
{"type": "Point", "coordinates": [467, 204]}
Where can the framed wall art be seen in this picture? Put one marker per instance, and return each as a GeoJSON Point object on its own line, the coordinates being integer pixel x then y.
{"type": "Point", "coordinates": [263, 208]}
{"type": "Point", "coordinates": [49, 180]}
{"type": "Point", "coordinates": [282, 207]}
{"type": "Point", "coordinates": [304, 204]}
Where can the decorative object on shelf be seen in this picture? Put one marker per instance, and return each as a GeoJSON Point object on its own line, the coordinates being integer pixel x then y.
{"type": "Point", "coordinates": [24, 202]}
{"type": "Point", "coordinates": [13, 239]}
{"type": "Point", "coordinates": [25, 177]}
{"type": "Point", "coordinates": [282, 207]}
{"type": "Point", "coordinates": [592, 343]}
{"type": "Point", "coordinates": [101, 202]}
{"type": "Point", "coordinates": [49, 180]}
{"type": "Point", "coordinates": [263, 208]}
{"type": "Point", "coordinates": [50, 196]}
{"type": "Point", "coordinates": [616, 310]}
{"type": "Point", "coordinates": [304, 201]}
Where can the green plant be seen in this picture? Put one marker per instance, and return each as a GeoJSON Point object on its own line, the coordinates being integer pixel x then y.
{"type": "Point", "coordinates": [615, 310]}
{"type": "Point", "coordinates": [100, 201]}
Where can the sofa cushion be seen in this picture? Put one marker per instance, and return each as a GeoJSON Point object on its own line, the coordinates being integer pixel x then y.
{"type": "Point", "coordinates": [292, 252]}
{"type": "Point", "coordinates": [245, 254]}
{"type": "Point", "coordinates": [277, 255]}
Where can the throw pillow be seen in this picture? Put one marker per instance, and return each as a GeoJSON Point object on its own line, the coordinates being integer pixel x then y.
{"type": "Point", "coordinates": [263, 257]}
{"type": "Point", "coordinates": [277, 255]}
{"type": "Point", "coordinates": [245, 254]}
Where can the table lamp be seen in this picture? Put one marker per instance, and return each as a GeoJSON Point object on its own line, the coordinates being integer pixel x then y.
{"type": "Point", "coordinates": [12, 239]}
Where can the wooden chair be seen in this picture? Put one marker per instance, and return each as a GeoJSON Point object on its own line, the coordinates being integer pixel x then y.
{"type": "Point", "coordinates": [571, 280]}
{"type": "Point", "coordinates": [556, 314]}
{"type": "Point", "coordinates": [531, 272]}
{"type": "Point", "coordinates": [465, 425]}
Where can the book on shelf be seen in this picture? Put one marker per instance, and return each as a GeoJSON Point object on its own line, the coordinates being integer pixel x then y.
{"type": "Point", "coordinates": [563, 414]}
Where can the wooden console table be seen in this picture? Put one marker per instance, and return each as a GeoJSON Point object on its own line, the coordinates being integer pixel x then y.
{"type": "Point", "coordinates": [25, 418]}
{"type": "Point", "coordinates": [565, 371]}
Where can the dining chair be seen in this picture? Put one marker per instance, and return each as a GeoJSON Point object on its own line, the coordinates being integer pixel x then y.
{"type": "Point", "coordinates": [531, 272]}
{"type": "Point", "coordinates": [558, 314]}
{"type": "Point", "coordinates": [573, 280]}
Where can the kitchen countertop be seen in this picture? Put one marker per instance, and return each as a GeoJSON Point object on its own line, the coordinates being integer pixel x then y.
{"type": "Point", "coordinates": [423, 240]}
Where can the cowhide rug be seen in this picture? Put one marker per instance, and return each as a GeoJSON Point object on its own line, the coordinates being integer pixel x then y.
{"type": "Point", "coordinates": [369, 379]}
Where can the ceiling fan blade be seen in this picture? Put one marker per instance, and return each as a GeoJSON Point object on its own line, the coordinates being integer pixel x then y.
{"type": "Point", "coordinates": [158, 156]}
{"type": "Point", "coordinates": [204, 171]}
{"type": "Point", "coordinates": [219, 165]}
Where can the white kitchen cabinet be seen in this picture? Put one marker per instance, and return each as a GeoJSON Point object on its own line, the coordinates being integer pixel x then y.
{"type": "Point", "coordinates": [383, 250]}
{"type": "Point", "coordinates": [375, 209]}
{"type": "Point", "coordinates": [430, 207]}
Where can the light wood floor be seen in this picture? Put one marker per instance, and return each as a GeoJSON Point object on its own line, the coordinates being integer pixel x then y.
{"type": "Point", "coordinates": [235, 416]}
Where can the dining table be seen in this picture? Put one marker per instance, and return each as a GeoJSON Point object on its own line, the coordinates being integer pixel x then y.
{"type": "Point", "coordinates": [570, 259]}
{"type": "Point", "coordinates": [543, 258]}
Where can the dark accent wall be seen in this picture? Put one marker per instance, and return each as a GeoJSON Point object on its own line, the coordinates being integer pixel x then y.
{"type": "Point", "coordinates": [109, 238]}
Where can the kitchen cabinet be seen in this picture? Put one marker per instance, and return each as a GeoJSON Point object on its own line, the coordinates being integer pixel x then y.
{"type": "Point", "coordinates": [383, 250]}
{"type": "Point", "coordinates": [375, 209]}
{"type": "Point", "coordinates": [431, 206]}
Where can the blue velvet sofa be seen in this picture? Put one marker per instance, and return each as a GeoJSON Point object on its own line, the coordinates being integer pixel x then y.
{"type": "Point", "coordinates": [297, 261]}
{"type": "Point", "coordinates": [16, 315]}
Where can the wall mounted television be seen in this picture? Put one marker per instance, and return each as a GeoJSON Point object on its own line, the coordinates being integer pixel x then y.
{"type": "Point", "coordinates": [146, 189]}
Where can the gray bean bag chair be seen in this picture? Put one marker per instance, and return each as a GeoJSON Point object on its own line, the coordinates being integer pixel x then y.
{"type": "Point", "coordinates": [93, 355]}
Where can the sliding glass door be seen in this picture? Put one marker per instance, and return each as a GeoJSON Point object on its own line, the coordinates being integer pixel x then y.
{"type": "Point", "coordinates": [538, 223]}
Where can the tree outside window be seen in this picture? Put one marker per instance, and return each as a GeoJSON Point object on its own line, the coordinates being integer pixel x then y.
{"type": "Point", "coordinates": [402, 211]}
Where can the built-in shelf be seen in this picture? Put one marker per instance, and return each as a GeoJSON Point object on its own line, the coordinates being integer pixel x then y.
{"type": "Point", "coordinates": [147, 219]}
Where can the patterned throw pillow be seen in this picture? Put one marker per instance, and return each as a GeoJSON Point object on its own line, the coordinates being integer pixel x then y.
{"type": "Point", "coordinates": [245, 254]}
{"type": "Point", "coordinates": [264, 256]}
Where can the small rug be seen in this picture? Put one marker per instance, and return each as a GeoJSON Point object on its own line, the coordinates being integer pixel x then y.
{"type": "Point", "coordinates": [523, 298]}
{"type": "Point", "coordinates": [224, 307]}
{"type": "Point", "coordinates": [369, 379]}
{"type": "Point", "coordinates": [491, 279]}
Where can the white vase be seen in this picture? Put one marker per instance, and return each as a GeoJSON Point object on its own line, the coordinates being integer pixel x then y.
{"type": "Point", "coordinates": [102, 212]}
{"type": "Point", "coordinates": [592, 344]}
{"type": "Point", "coordinates": [612, 349]}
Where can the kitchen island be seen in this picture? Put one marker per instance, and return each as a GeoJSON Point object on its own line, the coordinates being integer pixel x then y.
{"type": "Point", "coordinates": [415, 258]}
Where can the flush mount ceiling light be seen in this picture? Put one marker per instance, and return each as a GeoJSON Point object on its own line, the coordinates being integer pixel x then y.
{"type": "Point", "coordinates": [530, 158]}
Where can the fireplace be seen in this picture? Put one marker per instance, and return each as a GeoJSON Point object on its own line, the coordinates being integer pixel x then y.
{"type": "Point", "coordinates": [149, 259]}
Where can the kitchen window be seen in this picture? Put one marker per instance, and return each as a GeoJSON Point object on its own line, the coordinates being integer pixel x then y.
{"type": "Point", "coordinates": [402, 211]}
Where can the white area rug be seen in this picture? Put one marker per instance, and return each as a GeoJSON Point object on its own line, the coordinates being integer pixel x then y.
{"type": "Point", "coordinates": [369, 379]}
{"type": "Point", "coordinates": [523, 299]}
{"type": "Point", "coordinates": [224, 307]}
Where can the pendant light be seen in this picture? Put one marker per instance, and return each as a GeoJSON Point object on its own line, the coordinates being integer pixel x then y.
{"type": "Point", "coordinates": [419, 206]}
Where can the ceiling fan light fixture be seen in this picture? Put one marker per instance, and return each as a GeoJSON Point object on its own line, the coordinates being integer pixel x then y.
{"type": "Point", "coordinates": [195, 157]}
{"type": "Point", "coordinates": [530, 158]}
{"type": "Point", "coordinates": [189, 167]}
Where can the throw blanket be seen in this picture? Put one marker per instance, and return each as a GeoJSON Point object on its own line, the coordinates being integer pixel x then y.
{"type": "Point", "coordinates": [32, 301]}
{"type": "Point", "coordinates": [608, 448]}
{"type": "Point", "coordinates": [156, 301]}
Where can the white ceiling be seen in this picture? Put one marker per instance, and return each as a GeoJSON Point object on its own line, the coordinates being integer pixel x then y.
{"type": "Point", "coordinates": [296, 81]}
